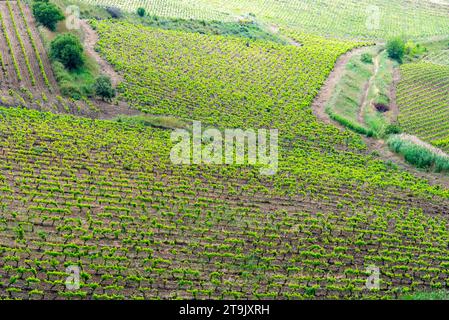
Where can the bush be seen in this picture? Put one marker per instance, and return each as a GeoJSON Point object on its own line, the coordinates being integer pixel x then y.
{"type": "Point", "coordinates": [47, 14]}
{"type": "Point", "coordinates": [67, 49]}
{"type": "Point", "coordinates": [366, 58]}
{"type": "Point", "coordinates": [393, 129]}
{"type": "Point", "coordinates": [396, 49]}
{"type": "Point", "coordinates": [418, 155]}
{"type": "Point", "coordinates": [103, 88]}
{"type": "Point", "coordinates": [141, 12]}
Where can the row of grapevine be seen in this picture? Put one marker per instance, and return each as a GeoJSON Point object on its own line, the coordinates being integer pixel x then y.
{"type": "Point", "coordinates": [11, 51]}
{"type": "Point", "coordinates": [33, 44]}
{"type": "Point", "coordinates": [105, 198]}
{"type": "Point", "coordinates": [353, 18]}
{"type": "Point", "coordinates": [423, 101]}
{"type": "Point", "coordinates": [22, 46]}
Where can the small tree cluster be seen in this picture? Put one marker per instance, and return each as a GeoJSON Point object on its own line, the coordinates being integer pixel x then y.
{"type": "Point", "coordinates": [47, 14]}
{"type": "Point", "coordinates": [103, 88]}
{"type": "Point", "coordinates": [67, 49]}
{"type": "Point", "coordinates": [396, 49]}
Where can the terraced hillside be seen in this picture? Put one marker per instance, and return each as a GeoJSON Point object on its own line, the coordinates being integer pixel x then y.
{"type": "Point", "coordinates": [360, 19]}
{"type": "Point", "coordinates": [423, 100]}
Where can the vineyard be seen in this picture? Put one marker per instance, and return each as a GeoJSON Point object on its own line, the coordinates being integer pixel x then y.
{"type": "Point", "coordinates": [354, 19]}
{"type": "Point", "coordinates": [22, 61]}
{"type": "Point", "coordinates": [83, 189]}
{"type": "Point", "coordinates": [209, 78]}
{"type": "Point", "coordinates": [104, 197]}
{"type": "Point", "coordinates": [424, 101]}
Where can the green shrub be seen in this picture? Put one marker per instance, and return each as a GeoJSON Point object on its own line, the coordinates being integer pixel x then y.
{"type": "Point", "coordinates": [103, 88]}
{"type": "Point", "coordinates": [366, 58]}
{"type": "Point", "coordinates": [67, 49]}
{"type": "Point", "coordinates": [418, 155]}
{"type": "Point", "coordinates": [393, 129]}
{"type": "Point", "coordinates": [396, 49]}
{"type": "Point", "coordinates": [349, 124]}
{"type": "Point", "coordinates": [141, 12]}
{"type": "Point", "coordinates": [47, 14]}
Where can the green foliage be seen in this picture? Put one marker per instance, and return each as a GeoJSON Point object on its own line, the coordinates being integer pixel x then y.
{"type": "Point", "coordinates": [349, 124]}
{"type": "Point", "coordinates": [76, 83]}
{"type": "Point", "coordinates": [141, 12]}
{"type": "Point", "coordinates": [245, 29]}
{"type": "Point", "coordinates": [432, 295]}
{"type": "Point", "coordinates": [47, 14]}
{"type": "Point", "coordinates": [367, 58]}
{"type": "Point", "coordinates": [414, 50]}
{"type": "Point", "coordinates": [103, 88]}
{"type": "Point", "coordinates": [393, 129]}
{"type": "Point", "coordinates": [67, 49]}
{"type": "Point", "coordinates": [419, 155]}
{"type": "Point", "coordinates": [396, 48]}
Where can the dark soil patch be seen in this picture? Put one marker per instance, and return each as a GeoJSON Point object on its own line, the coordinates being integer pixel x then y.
{"type": "Point", "coordinates": [381, 107]}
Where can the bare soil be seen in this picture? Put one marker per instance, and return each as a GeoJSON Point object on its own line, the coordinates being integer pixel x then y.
{"type": "Point", "coordinates": [90, 41]}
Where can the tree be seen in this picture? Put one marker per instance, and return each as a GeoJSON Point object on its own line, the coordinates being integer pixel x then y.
{"type": "Point", "coordinates": [47, 14]}
{"type": "Point", "coordinates": [67, 49]}
{"type": "Point", "coordinates": [396, 49]}
{"type": "Point", "coordinates": [141, 12]}
{"type": "Point", "coordinates": [103, 88]}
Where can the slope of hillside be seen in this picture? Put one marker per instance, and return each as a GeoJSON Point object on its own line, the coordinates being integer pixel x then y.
{"type": "Point", "coordinates": [361, 19]}
{"type": "Point", "coordinates": [105, 197]}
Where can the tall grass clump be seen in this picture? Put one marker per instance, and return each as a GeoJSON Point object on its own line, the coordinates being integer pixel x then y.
{"type": "Point", "coordinates": [418, 153]}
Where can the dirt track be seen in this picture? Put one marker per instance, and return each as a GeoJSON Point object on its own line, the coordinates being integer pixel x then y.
{"type": "Point", "coordinates": [90, 40]}
{"type": "Point", "coordinates": [377, 145]}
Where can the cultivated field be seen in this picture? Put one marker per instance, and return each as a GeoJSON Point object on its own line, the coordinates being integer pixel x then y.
{"type": "Point", "coordinates": [424, 101]}
{"type": "Point", "coordinates": [103, 196]}
{"type": "Point", "coordinates": [413, 18]}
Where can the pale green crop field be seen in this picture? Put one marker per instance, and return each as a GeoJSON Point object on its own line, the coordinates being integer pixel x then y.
{"type": "Point", "coordinates": [361, 19]}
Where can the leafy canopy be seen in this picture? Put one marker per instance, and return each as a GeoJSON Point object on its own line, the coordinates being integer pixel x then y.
{"type": "Point", "coordinates": [67, 49]}
{"type": "Point", "coordinates": [47, 14]}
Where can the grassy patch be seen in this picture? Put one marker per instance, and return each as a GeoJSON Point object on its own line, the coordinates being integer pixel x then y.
{"type": "Point", "coordinates": [434, 295]}
{"type": "Point", "coordinates": [419, 154]}
{"type": "Point", "coordinates": [162, 122]}
{"type": "Point", "coordinates": [245, 28]}
{"type": "Point", "coordinates": [75, 83]}
{"type": "Point", "coordinates": [344, 104]}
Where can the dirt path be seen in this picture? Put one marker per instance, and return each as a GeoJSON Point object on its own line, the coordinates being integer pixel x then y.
{"type": "Point", "coordinates": [327, 90]}
{"type": "Point", "coordinates": [90, 40]}
{"type": "Point", "coordinates": [394, 109]}
{"type": "Point", "coordinates": [373, 144]}
{"type": "Point", "coordinates": [365, 103]}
